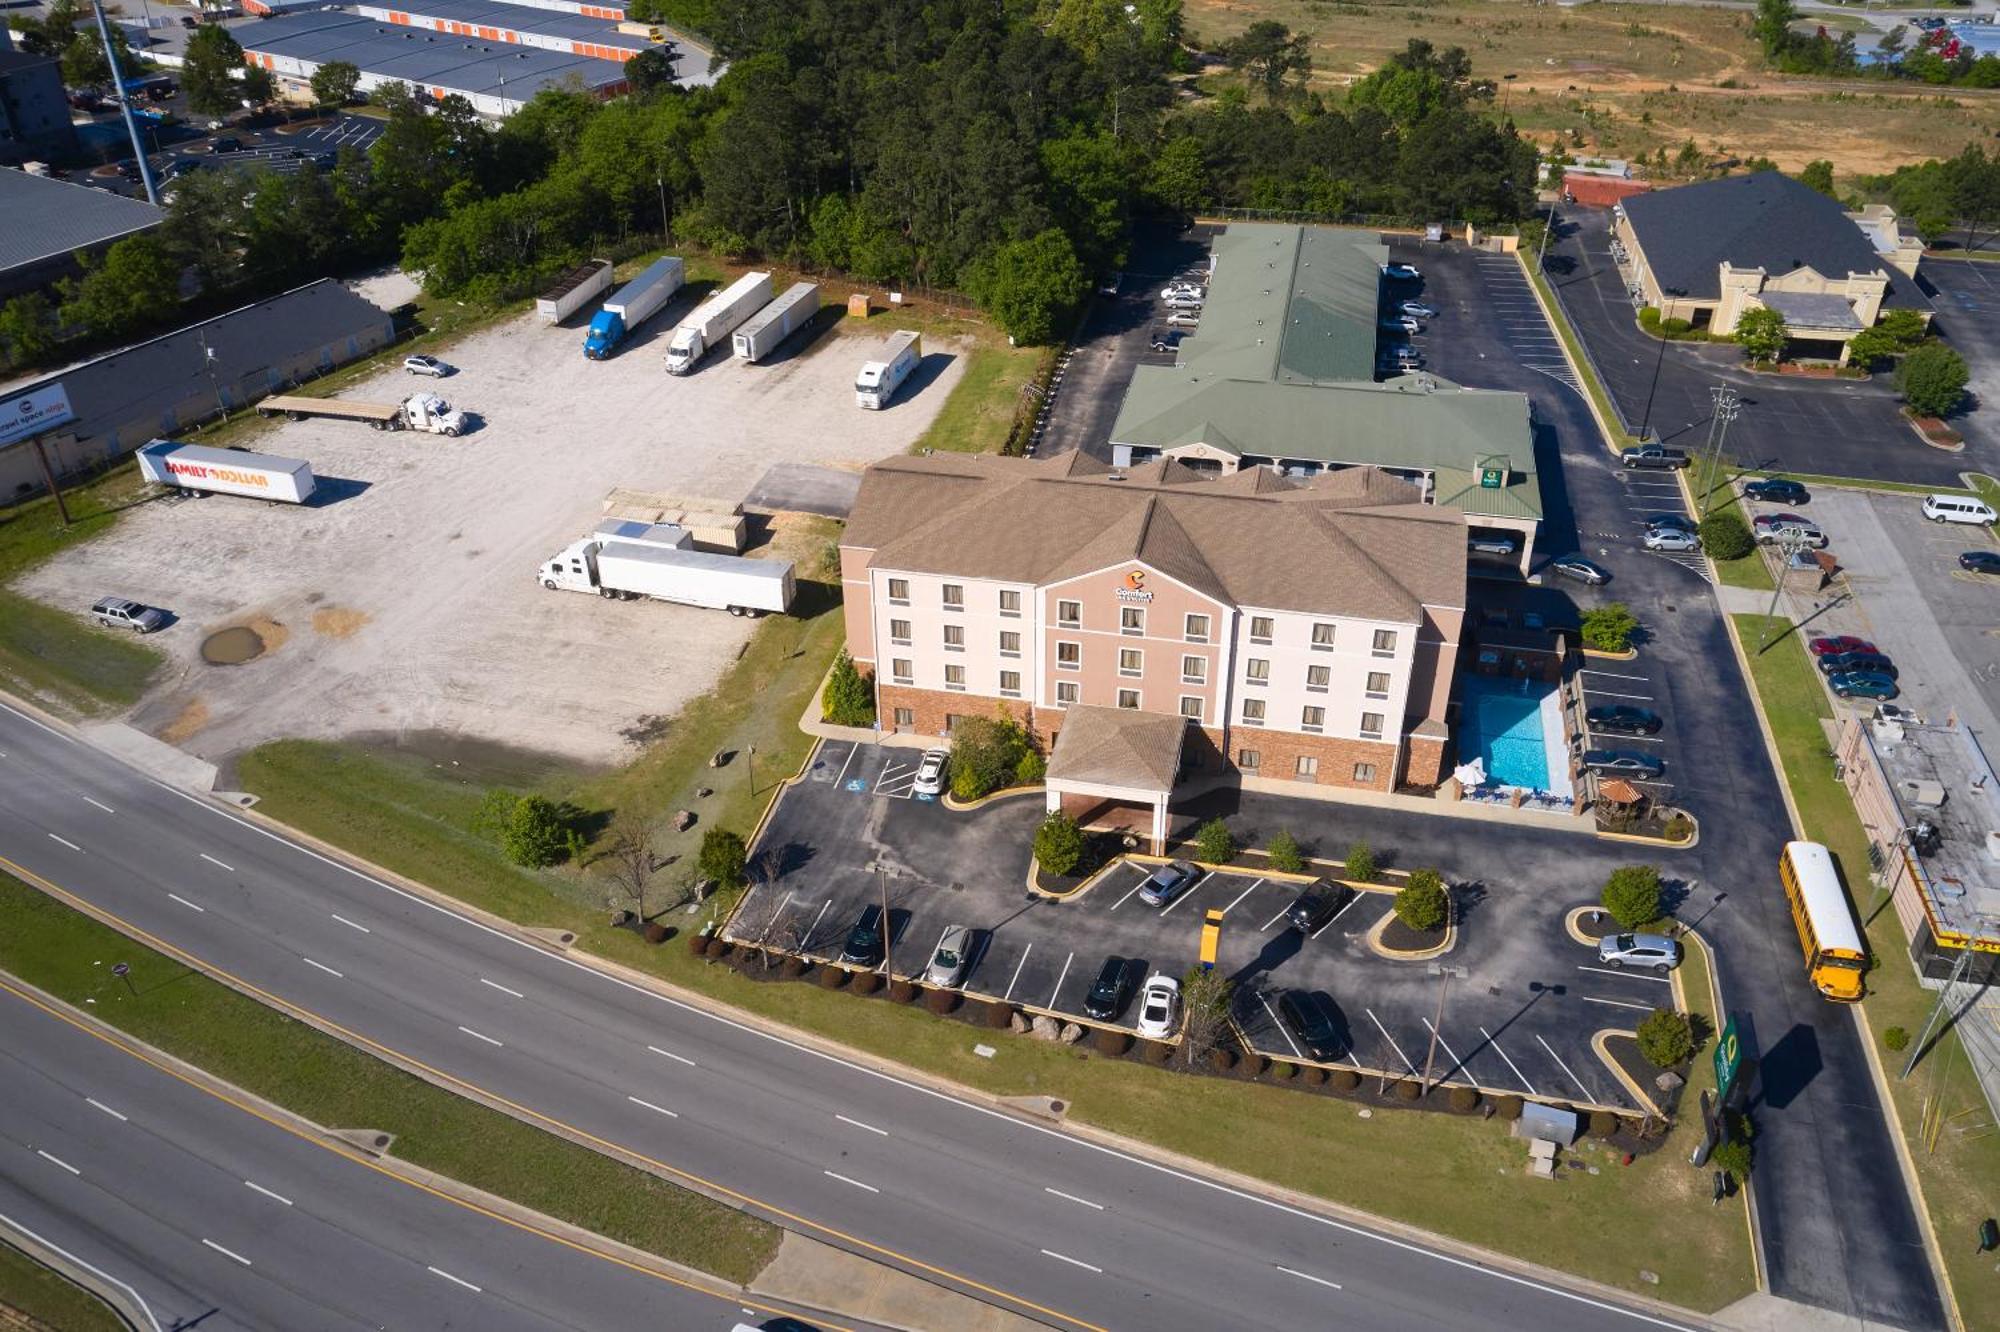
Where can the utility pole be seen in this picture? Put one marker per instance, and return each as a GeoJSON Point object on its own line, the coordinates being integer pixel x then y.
{"type": "Point", "coordinates": [49, 477]}
{"type": "Point", "coordinates": [1659, 361]}
{"type": "Point", "coordinates": [1726, 410]}
{"type": "Point", "coordinates": [1789, 545]}
{"type": "Point", "coordinates": [208, 364]}
{"type": "Point", "coordinates": [1445, 976]}
{"type": "Point", "coordinates": [1548, 225]}
{"type": "Point", "coordinates": [882, 881]}
{"type": "Point", "coordinates": [125, 105]}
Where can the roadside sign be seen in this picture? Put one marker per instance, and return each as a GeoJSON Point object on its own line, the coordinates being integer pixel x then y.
{"type": "Point", "coordinates": [1728, 1061]}
{"type": "Point", "coordinates": [31, 413]}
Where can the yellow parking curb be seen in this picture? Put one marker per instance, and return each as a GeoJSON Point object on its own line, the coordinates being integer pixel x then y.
{"type": "Point", "coordinates": [1382, 950]}
{"type": "Point", "coordinates": [1597, 1044]}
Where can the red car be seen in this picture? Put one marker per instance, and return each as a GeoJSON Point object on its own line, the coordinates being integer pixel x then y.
{"type": "Point", "coordinates": [1823, 647]}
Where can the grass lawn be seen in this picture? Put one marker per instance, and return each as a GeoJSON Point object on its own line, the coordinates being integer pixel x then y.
{"type": "Point", "coordinates": [980, 410]}
{"type": "Point", "coordinates": [1986, 488]}
{"type": "Point", "coordinates": [1960, 1169]}
{"type": "Point", "coordinates": [1750, 571]}
{"type": "Point", "coordinates": [49, 1299]}
{"type": "Point", "coordinates": [337, 1086]}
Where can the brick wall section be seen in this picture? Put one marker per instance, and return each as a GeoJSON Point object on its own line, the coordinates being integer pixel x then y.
{"type": "Point", "coordinates": [931, 705]}
{"type": "Point", "coordinates": [1280, 752]}
{"type": "Point", "coordinates": [1423, 763]}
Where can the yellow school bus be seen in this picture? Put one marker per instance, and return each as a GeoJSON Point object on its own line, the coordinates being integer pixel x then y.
{"type": "Point", "coordinates": [1835, 955]}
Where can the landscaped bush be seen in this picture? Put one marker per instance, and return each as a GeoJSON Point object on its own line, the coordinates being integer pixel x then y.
{"type": "Point", "coordinates": [1361, 863]}
{"type": "Point", "coordinates": [1214, 843]}
{"type": "Point", "coordinates": [1059, 844]}
{"type": "Point", "coordinates": [1408, 1089]}
{"type": "Point", "coordinates": [793, 967]}
{"type": "Point", "coordinates": [1734, 1158]}
{"type": "Point", "coordinates": [698, 944]}
{"type": "Point", "coordinates": [986, 752]}
{"type": "Point", "coordinates": [941, 1002]}
{"type": "Point", "coordinates": [1423, 904]}
{"type": "Point", "coordinates": [1315, 1076]}
{"type": "Point", "coordinates": [1221, 1059]}
{"type": "Point", "coordinates": [1725, 536]}
{"type": "Point", "coordinates": [719, 948]}
{"type": "Point", "coordinates": [657, 933]}
{"type": "Point", "coordinates": [1344, 1079]}
{"type": "Point", "coordinates": [902, 991]}
{"type": "Point", "coordinates": [1666, 1038]}
{"type": "Point", "coordinates": [1155, 1052]}
{"type": "Point", "coordinates": [1255, 1065]}
{"type": "Point", "coordinates": [1932, 380]}
{"type": "Point", "coordinates": [866, 982]}
{"type": "Point", "coordinates": [1609, 628]}
{"type": "Point", "coordinates": [1284, 854]}
{"type": "Point", "coordinates": [1896, 1038]}
{"type": "Point", "coordinates": [1464, 1099]}
{"type": "Point", "coordinates": [1678, 829]}
{"type": "Point", "coordinates": [1602, 1124]}
{"type": "Point", "coordinates": [1282, 1071]}
{"type": "Point", "coordinates": [849, 699]}
{"type": "Point", "coordinates": [1632, 895]}
{"type": "Point", "coordinates": [832, 978]}
{"type": "Point", "coordinates": [1031, 769]}
{"type": "Point", "coordinates": [1507, 1106]}
{"type": "Point", "coordinates": [1110, 1041]}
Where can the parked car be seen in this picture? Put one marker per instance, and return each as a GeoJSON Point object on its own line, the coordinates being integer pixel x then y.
{"type": "Point", "coordinates": [1184, 319]}
{"type": "Point", "coordinates": [1580, 569]}
{"type": "Point", "coordinates": [1167, 882]}
{"type": "Point", "coordinates": [426, 365]}
{"type": "Point", "coordinates": [1655, 456]}
{"type": "Point", "coordinates": [1419, 309]}
{"type": "Point", "coordinates": [118, 613]}
{"type": "Point", "coordinates": [1777, 490]}
{"type": "Point", "coordinates": [1622, 763]}
{"type": "Point", "coordinates": [1864, 684]}
{"type": "Point", "coordinates": [864, 940]}
{"type": "Point", "coordinates": [1980, 561]}
{"type": "Point", "coordinates": [1159, 1006]}
{"type": "Point", "coordinates": [1184, 304]}
{"type": "Point", "coordinates": [1846, 663]}
{"type": "Point", "coordinates": [1624, 719]}
{"type": "Point", "coordinates": [948, 962]}
{"type": "Point", "coordinates": [1309, 1025]}
{"type": "Point", "coordinates": [1671, 540]}
{"type": "Point", "coordinates": [228, 143]}
{"type": "Point", "coordinates": [1654, 951]}
{"type": "Point", "coordinates": [1182, 289]}
{"type": "Point", "coordinates": [1402, 272]}
{"type": "Point", "coordinates": [1831, 645]}
{"type": "Point", "coordinates": [930, 772]}
{"type": "Point", "coordinates": [1401, 324]}
{"type": "Point", "coordinates": [1109, 991]}
{"type": "Point", "coordinates": [1167, 340]}
{"type": "Point", "coordinates": [1493, 545]}
{"type": "Point", "coordinates": [1108, 284]}
{"type": "Point", "coordinates": [1776, 527]}
{"type": "Point", "coordinates": [1676, 522]}
{"type": "Point", "coordinates": [1316, 905]}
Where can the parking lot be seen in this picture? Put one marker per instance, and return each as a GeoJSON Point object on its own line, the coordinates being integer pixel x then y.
{"type": "Point", "coordinates": [850, 838]}
{"type": "Point", "coordinates": [1968, 316]}
{"type": "Point", "coordinates": [403, 599]}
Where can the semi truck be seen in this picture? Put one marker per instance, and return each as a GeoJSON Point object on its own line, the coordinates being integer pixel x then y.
{"type": "Point", "coordinates": [776, 322]}
{"type": "Point", "coordinates": [627, 570]}
{"type": "Point", "coordinates": [880, 378]}
{"type": "Point", "coordinates": [632, 305]}
{"type": "Point", "coordinates": [196, 467]}
{"type": "Point", "coordinates": [420, 411]}
{"type": "Point", "coordinates": [574, 290]}
{"type": "Point", "coordinates": [715, 319]}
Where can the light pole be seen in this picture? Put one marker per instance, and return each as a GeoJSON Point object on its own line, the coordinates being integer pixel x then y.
{"type": "Point", "coordinates": [1726, 410]}
{"type": "Point", "coordinates": [125, 105]}
{"type": "Point", "coordinates": [750, 767]}
{"type": "Point", "coordinates": [1506, 88]}
{"type": "Point", "coordinates": [1789, 544]}
{"type": "Point", "coordinates": [1646, 417]}
{"type": "Point", "coordinates": [1445, 977]}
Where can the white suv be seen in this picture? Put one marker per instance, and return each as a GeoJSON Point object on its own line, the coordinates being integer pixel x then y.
{"type": "Point", "coordinates": [930, 772]}
{"type": "Point", "coordinates": [426, 365]}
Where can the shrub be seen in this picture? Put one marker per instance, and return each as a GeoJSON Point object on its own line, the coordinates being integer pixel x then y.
{"type": "Point", "coordinates": [697, 944]}
{"type": "Point", "coordinates": [832, 978]}
{"type": "Point", "coordinates": [985, 754]}
{"type": "Point", "coordinates": [1666, 1038]}
{"type": "Point", "coordinates": [1408, 1090]}
{"type": "Point", "coordinates": [1155, 1052]}
{"type": "Point", "coordinates": [1725, 536]}
{"type": "Point", "coordinates": [1932, 380]}
{"type": "Point", "coordinates": [1344, 1079]}
{"type": "Point", "coordinates": [866, 982]}
{"type": "Point", "coordinates": [1632, 895]}
{"type": "Point", "coordinates": [1679, 828]}
{"type": "Point", "coordinates": [1284, 854]}
{"type": "Point", "coordinates": [657, 933]}
{"type": "Point", "coordinates": [531, 830]}
{"type": "Point", "coordinates": [793, 967]}
{"type": "Point", "coordinates": [1423, 904]}
{"type": "Point", "coordinates": [902, 991]}
{"type": "Point", "coordinates": [1896, 1038]}
{"type": "Point", "coordinates": [1221, 1058]}
{"type": "Point", "coordinates": [1360, 863]}
{"type": "Point", "coordinates": [941, 1002]}
{"type": "Point", "coordinates": [1256, 1065]}
{"type": "Point", "coordinates": [721, 857]}
{"type": "Point", "coordinates": [1214, 843]}
{"type": "Point", "coordinates": [849, 699]}
{"type": "Point", "coordinates": [1031, 769]}
{"type": "Point", "coordinates": [1111, 1042]}
{"type": "Point", "coordinates": [1733, 1158]}
{"type": "Point", "coordinates": [1315, 1076]}
{"type": "Point", "coordinates": [1507, 1106]}
{"type": "Point", "coordinates": [1282, 1071]}
{"type": "Point", "coordinates": [1059, 844]}
{"type": "Point", "coordinates": [999, 1015]}
{"type": "Point", "coordinates": [1602, 1124]}
{"type": "Point", "coordinates": [1609, 628]}
{"type": "Point", "coordinates": [1464, 1099]}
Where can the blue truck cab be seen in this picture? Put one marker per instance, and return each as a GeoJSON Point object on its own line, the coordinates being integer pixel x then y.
{"type": "Point", "coordinates": [607, 330]}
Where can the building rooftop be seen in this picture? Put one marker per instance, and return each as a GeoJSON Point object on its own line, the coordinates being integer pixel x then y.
{"type": "Point", "coordinates": [1357, 542]}
{"type": "Point", "coordinates": [46, 218]}
{"type": "Point", "coordinates": [1118, 747]}
{"type": "Point", "coordinates": [1812, 310]}
{"type": "Point", "coordinates": [424, 58]}
{"type": "Point", "coordinates": [1763, 220]}
{"type": "Point", "coordinates": [1292, 304]}
{"type": "Point", "coordinates": [1940, 776]}
{"type": "Point", "coordinates": [501, 16]}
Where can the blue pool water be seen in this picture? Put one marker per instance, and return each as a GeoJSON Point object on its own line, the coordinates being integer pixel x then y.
{"type": "Point", "coordinates": [1500, 721]}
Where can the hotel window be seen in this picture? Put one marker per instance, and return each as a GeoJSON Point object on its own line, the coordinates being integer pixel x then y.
{"type": "Point", "coordinates": [1191, 707]}
{"type": "Point", "coordinates": [1385, 642]}
{"type": "Point", "coordinates": [1260, 628]}
{"type": "Point", "coordinates": [899, 632]}
{"type": "Point", "coordinates": [1131, 661]}
{"type": "Point", "coordinates": [1253, 712]}
{"type": "Point", "coordinates": [906, 716]}
{"type": "Point", "coordinates": [1010, 603]}
{"type": "Point", "coordinates": [1010, 683]}
{"type": "Point", "coordinates": [1371, 726]}
{"type": "Point", "coordinates": [1131, 620]}
{"type": "Point", "coordinates": [1010, 643]}
{"type": "Point", "coordinates": [1378, 684]}
{"type": "Point", "coordinates": [951, 721]}
{"type": "Point", "coordinates": [954, 596]}
{"type": "Point", "coordinates": [1128, 698]}
{"type": "Point", "coordinates": [1197, 628]}
{"type": "Point", "coordinates": [1066, 693]}
{"type": "Point", "coordinates": [1069, 614]}
{"type": "Point", "coordinates": [1322, 638]}
{"type": "Point", "coordinates": [1069, 656]}
{"type": "Point", "coordinates": [954, 638]}
{"type": "Point", "coordinates": [900, 670]}
{"type": "Point", "coordinates": [1194, 670]}
{"type": "Point", "coordinates": [954, 677]}
{"type": "Point", "coordinates": [899, 591]}
{"type": "Point", "coordinates": [1312, 719]}
{"type": "Point", "coordinates": [1364, 774]}
{"type": "Point", "coordinates": [1307, 766]}
{"type": "Point", "coordinates": [1256, 671]}
{"type": "Point", "coordinates": [1249, 759]}
{"type": "Point", "coordinates": [1318, 678]}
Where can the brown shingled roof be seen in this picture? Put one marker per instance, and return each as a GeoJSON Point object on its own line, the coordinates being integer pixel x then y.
{"type": "Point", "coordinates": [1118, 747]}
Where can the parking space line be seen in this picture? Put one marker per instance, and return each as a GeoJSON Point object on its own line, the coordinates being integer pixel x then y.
{"type": "Point", "coordinates": [1143, 876]}
{"type": "Point", "coordinates": [1055, 993]}
{"type": "Point", "coordinates": [1613, 675]}
{"type": "Point", "coordinates": [1240, 896]}
{"type": "Point", "coordinates": [1510, 1063]}
{"type": "Point", "coordinates": [1456, 1062]}
{"type": "Point", "coordinates": [841, 777]}
{"type": "Point", "coordinates": [1189, 893]}
{"type": "Point", "coordinates": [1017, 971]}
{"type": "Point", "coordinates": [1584, 1091]}
{"type": "Point", "coordinates": [1266, 1003]}
{"type": "Point", "coordinates": [1606, 693]}
{"type": "Point", "coordinates": [1336, 915]}
{"type": "Point", "coordinates": [1391, 1039]}
{"type": "Point", "coordinates": [1275, 919]}
{"type": "Point", "coordinates": [1629, 975]}
{"type": "Point", "coordinates": [807, 941]}
{"type": "Point", "coordinates": [1615, 1003]}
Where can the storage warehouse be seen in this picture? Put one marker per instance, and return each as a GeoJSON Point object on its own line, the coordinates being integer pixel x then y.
{"type": "Point", "coordinates": [494, 21]}
{"type": "Point", "coordinates": [49, 221]}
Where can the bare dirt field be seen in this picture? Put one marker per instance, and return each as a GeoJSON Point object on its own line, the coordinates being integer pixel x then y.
{"type": "Point", "coordinates": [404, 600]}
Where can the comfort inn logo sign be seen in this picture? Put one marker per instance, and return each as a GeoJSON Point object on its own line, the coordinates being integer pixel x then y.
{"type": "Point", "coordinates": [1134, 588]}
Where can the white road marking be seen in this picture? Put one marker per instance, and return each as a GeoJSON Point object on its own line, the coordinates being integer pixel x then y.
{"type": "Point", "coordinates": [1275, 919]}
{"type": "Point", "coordinates": [1280, 1026]}
{"type": "Point", "coordinates": [1073, 1262]}
{"type": "Point", "coordinates": [1017, 971]}
{"type": "Point", "coordinates": [65, 841]}
{"type": "Point", "coordinates": [184, 902]}
{"type": "Point", "coordinates": [1391, 1039]}
{"type": "Point", "coordinates": [1565, 1067]}
{"type": "Point", "coordinates": [279, 1197]}
{"type": "Point", "coordinates": [1613, 675]}
{"type": "Point", "coordinates": [1071, 1197]}
{"type": "Point", "coordinates": [840, 779]}
{"type": "Point", "coordinates": [1240, 896]}
{"type": "Point", "coordinates": [91, 1100]}
{"type": "Point", "coordinates": [817, 919]}
{"type": "Point", "coordinates": [1057, 992]}
{"type": "Point", "coordinates": [1336, 915]}
{"type": "Point", "coordinates": [1456, 1062]}
{"type": "Point", "coordinates": [1191, 890]}
{"type": "Point", "coordinates": [1129, 891]}
{"type": "Point", "coordinates": [213, 861]}
{"type": "Point", "coordinates": [57, 1161]}
{"type": "Point", "coordinates": [1629, 975]}
{"type": "Point", "coordinates": [100, 804]}
{"type": "Point", "coordinates": [456, 1281]}
{"type": "Point", "coordinates": [503, 989]}
{"type": "Point", "coordinates": [476, 1036]}
{"type": "Point", "coordinates": [227, 1253]}
{"type": "Point", "coordinates": [1606, 693]}
{"type": "Point", "coordinates": [858, 1124]}
{"type": "Point", "coordinates": [1510, 1063]}
{"type": "Point", "coordinates": [1615, 1003]}
{"type": "Point", "coordinates": [657, 1109]}
{"type": "Point", "coordinates": [855, 1182]}
{"type": "Point", "coordinates": [352, 926]}
{"type": "Point", "coordinates": [682, 1059]}
{"type": "Point", "coordinates": [1306, 1276]}
{"type": "Point", "coordinates": [323, 967]}
{"type": "Point", "coordinates": [137, 1301]}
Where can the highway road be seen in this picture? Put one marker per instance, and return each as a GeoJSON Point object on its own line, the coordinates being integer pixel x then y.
{"type": "Point", "coordinates": [1021, 1214]}
{"type": "Point", "coordinates": [213, 1215]}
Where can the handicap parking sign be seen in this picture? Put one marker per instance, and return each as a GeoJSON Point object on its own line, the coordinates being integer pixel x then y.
{"type": "Point", "coordinates": [857, 783]}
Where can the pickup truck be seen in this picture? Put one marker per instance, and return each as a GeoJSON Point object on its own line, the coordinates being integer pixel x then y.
{"type": "Point", "coordinates": [1653, 455]}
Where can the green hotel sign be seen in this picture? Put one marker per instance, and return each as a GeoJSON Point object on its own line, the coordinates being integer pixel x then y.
{"type": "Point", "coordinates": [1728, 1061]}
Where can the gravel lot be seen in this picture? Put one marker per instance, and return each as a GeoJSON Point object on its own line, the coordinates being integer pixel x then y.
{"type": "Point", "coordinates": [403, 599]}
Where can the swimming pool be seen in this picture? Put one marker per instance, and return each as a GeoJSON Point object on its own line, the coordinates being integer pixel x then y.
{"type": "Point", "coordinates": [1501, 723]}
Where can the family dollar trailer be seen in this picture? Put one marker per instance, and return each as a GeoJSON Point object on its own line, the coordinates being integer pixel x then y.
{"type": "Point", "coordinates": [630, 569]}
{"type": "Point", "coordinates": [632, 305]}
{"type": "Point", "coordinates": [574, 290]}
{"type": "Point", "coordinates": [777, 321]}
{"type": "Point", "coordinates": [715, 319]}
{"type": "Point", "coordinates": [195, 467]}
{"type": "Point", "coordinates": [879, 379]}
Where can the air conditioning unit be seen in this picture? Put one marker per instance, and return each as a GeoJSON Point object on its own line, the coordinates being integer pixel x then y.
{"type": "Point", "coordinates": [1922, 792]}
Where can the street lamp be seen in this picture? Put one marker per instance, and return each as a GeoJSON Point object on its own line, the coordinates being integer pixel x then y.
{"type": "Point", "coordinates": [1445, 977]}
{"type": "Point", "coordinates": [1790, 544]}
{"type": "Point", "coordinates": [1646, 417]}
{"type": "Point", "coordinates": [1506, 87]}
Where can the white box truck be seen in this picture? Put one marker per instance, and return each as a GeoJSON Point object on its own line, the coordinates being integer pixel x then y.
{"type": "Point", "coordinates": [880, 378]}
{"type": "Point", "coordinates": [628, 570]}
{"type": "Point", "coordinates": [420, 411]}
{"type": "Point", "coordinates": [777, 321]}
{"type": "Point", "coordinates": [632, 305]}
{"type": "Point", "coordinates": [196, 467]}
{"type": "Point", "coordinates": [574, 290]}
{"type": "Point", "coordinates": [715, 319]}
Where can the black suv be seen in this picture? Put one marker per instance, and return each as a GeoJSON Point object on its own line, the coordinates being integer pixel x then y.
{"type": "Point", "coordinates": [1113, 988]}
{"type": "Point", "coordinates": [1309, 1024]}
{"type": "Point", "coordinates": [864, 942]}
{"type": "Point", "coordinates": [1316, 905]}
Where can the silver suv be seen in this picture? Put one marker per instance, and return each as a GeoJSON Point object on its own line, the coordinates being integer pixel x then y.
{"type": "Point", "coordinates": [1654, 951]}
{"type": "Point", "coordinates": [119, 613]}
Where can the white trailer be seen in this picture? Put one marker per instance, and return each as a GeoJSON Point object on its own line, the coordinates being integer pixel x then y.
{"type": "Point", "coordinates": [715, 319]}
{"type": "Point", "coordinates": [196, 467]}
{"type": "Point", "coordinates": [777, 321]}
{"type": "Point", "coordinates": [632, 305]}
{"type": "Point", "coordinates": [628, 570]}
{"type": "Point", "coordinates": [879, 379]}
{"type": "Point", "coordinates": [574, 290]}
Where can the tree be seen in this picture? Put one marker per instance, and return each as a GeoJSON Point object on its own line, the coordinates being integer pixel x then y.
{"type": "Point", "coordinates": [1214, 843]}
{"type": "Point", "coordinates": [1724, 536]}
{"type": "Point", "coordinates": [1609, 628]}
{"type": "Point", "coordinates": [1059, 843]}
{"type": "Point", "coordinates": [333, 83]}
{"type": "Point", "coordinates": [1905, 327]}
{"type": "Point", "coordinates": [209, 75]}
{"type": "Point", "coordinates": [1031, 287]}
{"type": "Point", "coordinates": [1284, 853]}
{"type": "Point", "coordinates": [1818, 175]}
{"type": "Point", "coordinates": [1360, 863]}
{"type": "Point", "coordinates": [721, 858]}
{"type": "Point", "coordinates": [629, 861]}
{"type": "Point", "coordinates": [258, 85]}
{"type": "Point", "coordinates": [27, 330]}
{"type": "Point", "coordinates": [536, 832]}
{"type": "Point", "coordinates": [1761, 333]}
{"type": "Point", "coordinates": [1272, 56]}
{"type": "Point", "coordinates": [1179, 178]}
{"type": "Point", "coordinates": [1204, 1011]}
{"type": "Point", "coordinates": [985, 753]}
{"type": "Point", "coordinates": [1666, 1038]}
{"type": "Point", "coordinates": [1932, 380]}
{"type": "Point", "coordinates": [1871, 346]}
{"type": "Point", "coordinates": [1423, 903]}
{"type": "Point", "coordinates": [134, 284]}
{"type": "Point", "coordinates": [1773, 26]}
{"type": "Point", "coordinates": [1632, 895]}
{"type": "Point", "coordinates": [650, 71]}
{"type": "Point", "coordinates": [849, 699]}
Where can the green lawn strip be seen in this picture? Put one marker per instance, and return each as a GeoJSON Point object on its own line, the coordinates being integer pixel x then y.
{"type": "Point", "coordinates": [1986, 488]}
{"type": "Point", "coordinates": [331, 1083]}
{"type": "Point", "coordinates": [1559, 317]}
{"type": "Point", "coordinates": [1750, 571]}
{"type": "Point", "coordinates": [1959, 1173]}
{"type": "Point", "coordinates": [49, 1298]}
{"type": "Point", "coordinates": [980, 411]}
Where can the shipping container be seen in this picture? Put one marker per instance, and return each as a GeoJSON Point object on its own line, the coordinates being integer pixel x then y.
{"type": "Point", "coordinates": [574, 290]}
{"type": "Point", "coordinates": [198, 468]}
{"type": "Point", "coordinates": [777, 321]}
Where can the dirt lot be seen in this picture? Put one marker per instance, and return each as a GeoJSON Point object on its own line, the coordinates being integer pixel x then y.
{"type": "Point", "coordinates": [404, 599]}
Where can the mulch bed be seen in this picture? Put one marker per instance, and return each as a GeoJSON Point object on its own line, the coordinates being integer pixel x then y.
{"type": "Point", "coordinates": [1624, 1050]}
{"type": "Point", "coordinates": [1400, 938]}
{"type": "Point", "coordinates": [1935, 431]}
{"type": "Point", "coordinates": [1099, 850]}
{"type": "Point", "coordinates": [1598, 928]}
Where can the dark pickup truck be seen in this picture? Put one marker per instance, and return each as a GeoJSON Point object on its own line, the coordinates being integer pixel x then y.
{"type": "Point", "coordinates": [1653, 455]}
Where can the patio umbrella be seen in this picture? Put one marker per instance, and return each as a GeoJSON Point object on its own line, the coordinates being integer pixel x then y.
{"type": "Point", "coordinates": [1471, 774]}
{"type": "Point", "coordinates": [1619, 792]}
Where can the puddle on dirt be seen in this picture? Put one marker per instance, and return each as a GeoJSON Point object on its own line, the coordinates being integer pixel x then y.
{"type": "Point", "coordinates": [232, 647]}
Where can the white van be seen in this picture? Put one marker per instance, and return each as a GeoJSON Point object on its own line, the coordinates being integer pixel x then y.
{"type": "Point", "coordinates": [1957, 509]}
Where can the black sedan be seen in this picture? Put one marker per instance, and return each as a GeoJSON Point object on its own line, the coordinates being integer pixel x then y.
{"type": "Point", "coordinates": [1777, 490]}
{"type": "Point", "coordinates": [1315, 1032]}
{"type": "Point", "coordinates": [1841, 663]}
{"type": "Point", "coordinates": [1622, 763]}
{"type": "Point", "coordinates": [1580, 569]}
{"type": "Point", "coordinates": [1318, 904]}
{"type": "Point", "coordinates": [1623, 719]}
{"type": "Point", "coordinates": [1980, 561]}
